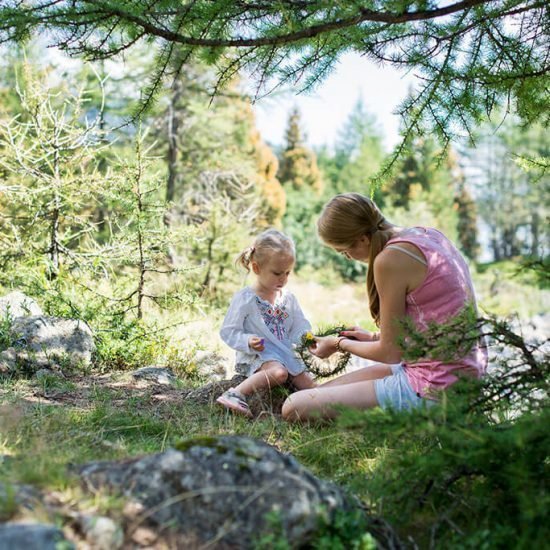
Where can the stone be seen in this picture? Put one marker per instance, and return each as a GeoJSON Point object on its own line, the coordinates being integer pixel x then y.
{"type": "Point", "coordinates": [210, 365]}
{"type": "Point", "coordinates": [32, 536]}
{"type": "Point", "coordinates": [15, 496]}
{"type": "Point", "coordinates": [101, 532]}
{"type": "Point", "coordinates": [224, 491]}
{"type": "Point", "coordinates": [47, 373]}
{"type": "Point", "coordinates": [46, 342]}
{"type": "Point", "coordinates": [159, 375]}
{"type": "Point", "coordinates": [265, 401]}
{"type": "Point", "coordinates": [16, 304]}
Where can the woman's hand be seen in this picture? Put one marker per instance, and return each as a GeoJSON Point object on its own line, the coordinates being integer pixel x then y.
{"type": "Point", "coordinates": [360, 334]}
{"type": "Point", "coordinates": [256, 343]}
{"type": "Point", "coordinates": [324, 346]}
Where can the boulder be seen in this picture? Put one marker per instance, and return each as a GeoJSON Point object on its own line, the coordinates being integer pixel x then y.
{"type": "Point", "coordinates": [47, 342]}
{"type": "Point", "coordinates": [15, 496]}
{"type": "Point", "coordinates": [16, 304]}
{"type": "Point", "coordinates": [210, 365]}
{"type": "Point", "coordinates": [159, 375]}
{"type": "Point", "coordinates": [265, 401]}
{"type": "Point", "coordinates": [224, 492]}
{"type": "Point", "coordinates": [32, 536]}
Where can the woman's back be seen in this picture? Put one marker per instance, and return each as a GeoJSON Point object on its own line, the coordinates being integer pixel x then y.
{"type": "Point", "coordinates": [447, 289]}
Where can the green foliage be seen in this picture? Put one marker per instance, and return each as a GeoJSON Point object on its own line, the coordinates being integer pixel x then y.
{"type": "Point", "coordinates": [423, 189]}
{"type": "Point", "coordinates": [318, 367]}
{"type": "Point", "coordinates": [468, 57]}
{"type": "Point", "coordinates": [512, 201]}
{"type": "Point", "coordinates": [303, 209]}
{"type": "Point", "coordinates": [445, 342]}
{"type": "Point", "coordinates": [298, 165]}
{"type": "Point", "coordinates": [467, 223]}
{"type": "Point", "coordinates": [346, 530]}
{"type": "Point", "coordinates": [8, 504]}
{"type": "Point", "coordinates": [358, 155]}
{"type": "Point", "coordinates": [49, 157]}
{"type": "Point", "coordinates": [6, 336]}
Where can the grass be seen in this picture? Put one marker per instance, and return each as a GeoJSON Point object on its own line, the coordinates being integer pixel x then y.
{"type": "Point", "coordinates": [46, 425]}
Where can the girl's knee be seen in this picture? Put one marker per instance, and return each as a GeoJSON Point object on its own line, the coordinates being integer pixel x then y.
{"type": "Point", "coordinates": [278, 374]}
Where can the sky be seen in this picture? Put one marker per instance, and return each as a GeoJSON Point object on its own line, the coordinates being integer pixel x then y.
{"type": "Point", "coordinates": [326, 108]}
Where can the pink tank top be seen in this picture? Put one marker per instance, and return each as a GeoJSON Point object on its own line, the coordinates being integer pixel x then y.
{"type": "Point", "coordinates": [446, 290]}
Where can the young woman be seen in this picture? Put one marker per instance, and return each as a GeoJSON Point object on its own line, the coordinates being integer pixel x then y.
{"type": "Point", "coordinates": [413, 272]}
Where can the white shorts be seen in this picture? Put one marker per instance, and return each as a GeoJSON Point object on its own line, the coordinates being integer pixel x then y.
{"type": "Point", "coordinates": [395, 391]}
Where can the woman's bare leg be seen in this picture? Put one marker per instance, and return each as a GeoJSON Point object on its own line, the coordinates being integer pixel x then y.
{"type": "Point", "coordinates": [320, 402]}
{"type": "Point", "coordinates": [269, 375]}
{"type": "Point", "coordinates": [374, 372]}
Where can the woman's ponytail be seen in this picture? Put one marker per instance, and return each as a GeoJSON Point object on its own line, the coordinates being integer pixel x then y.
{"type": "Point", "coordinates": [344, 220]}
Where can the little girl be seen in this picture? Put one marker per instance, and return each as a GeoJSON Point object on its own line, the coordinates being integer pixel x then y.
{"type": "Point", "coordinates": [263, 321]}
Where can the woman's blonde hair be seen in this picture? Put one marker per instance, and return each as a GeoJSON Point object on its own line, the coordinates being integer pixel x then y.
{"type": "Point", "coordinates": [270, 242]}
{"type": "Point", "coordinates": [344, 220]}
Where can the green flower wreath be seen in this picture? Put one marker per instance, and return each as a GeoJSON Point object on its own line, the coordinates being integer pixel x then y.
{"type": "Point", "coordinates": [322, 369]}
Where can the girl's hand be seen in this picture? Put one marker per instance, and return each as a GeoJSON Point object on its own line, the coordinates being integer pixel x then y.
{"type": "Point", "coordinates": [360, 334]}
{"type": "Point", "coordinates": [256, 343]}
{"type": "Point", "coordinates": [324, 346]}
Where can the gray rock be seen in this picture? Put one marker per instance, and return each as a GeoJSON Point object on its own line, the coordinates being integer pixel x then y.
{"type": "Point", "coordinates": [31, 536]}
{"type": "Point", "coordinates": [47, 373]}
{"type": "Point", "coordinates": [16, 304]}
{"type": "Point", "coordinates": [224, 491]}
{"type": "Point", "coordinates": [264, 401]}
{"type": "Point", "coordinates": [16, 495]}
{"type": "Point", "coordinates": [43, 342]}
{"type": "Point", "coordinates": [210, 365]}
{"type": "Point", "coordinates": [159, 375]}
{"type": "Point", "coordinates": [207, 394]}
{"type": "Point", "coordinates": [101, 532]}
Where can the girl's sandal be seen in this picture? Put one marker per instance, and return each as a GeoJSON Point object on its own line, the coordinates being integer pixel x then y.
{"type": "Point", "coordinates": [234, 401]}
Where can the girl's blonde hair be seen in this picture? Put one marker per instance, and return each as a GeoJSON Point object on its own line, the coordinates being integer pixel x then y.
{"type": "Point", "coordinates": [343, 221]}
{"type": "Point", "coordinates": [270, 242]}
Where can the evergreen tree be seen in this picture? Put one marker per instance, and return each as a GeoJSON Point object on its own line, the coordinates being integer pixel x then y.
{"type": "Point", "coordinates": [271, 191]}
{"type": "Point", "coordinates": [512, 202]}
{"type": "Point", "coordinates": [467, 222]}
{"type": "Point", "coordinates": [49, 158]}
{"type": "Point", "coordinates": [469, 55]}
{"type": "Point", "coordinates": [423, 189]}
{"type": "Point", "coordinates": [358, 153]}
{"type": "Point", "coordinates": [140, 241]}
{"type": "Point", "coordinates": [298, 167]}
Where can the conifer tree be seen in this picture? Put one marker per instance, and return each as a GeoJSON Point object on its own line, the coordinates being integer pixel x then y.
{"type": "Point", "coordinates": [467, 222]}
{"type": "Point", "coordinates": [49, 156]}
{"type": "Point", "coordinates": [266, 166]}
{"type": "Point", "coordinates": [424, 188]}
{"type": "Point", "coordinates": [140, 240]}
{"type": "Point", "coordinates": [469, 55]}
{"type": "Point", "coordinates": [298, 167]}
{"type": "Point", "coordinates": [512, 201]}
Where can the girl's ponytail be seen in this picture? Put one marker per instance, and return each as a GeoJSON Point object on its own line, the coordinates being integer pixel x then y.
{"type": "Point", "coordinates": [271, 241]}
{"type": "Point", "coordinates": [245, 257]}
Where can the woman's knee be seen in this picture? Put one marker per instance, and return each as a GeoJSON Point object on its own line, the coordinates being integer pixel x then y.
{"type": "Point", "coordinates": [289, 411]}
{"type": "Point", "coordinates": [294, 408]}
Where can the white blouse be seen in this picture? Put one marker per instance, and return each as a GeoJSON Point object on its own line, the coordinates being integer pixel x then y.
{"type": "Point", "coordinates": [280, 325]}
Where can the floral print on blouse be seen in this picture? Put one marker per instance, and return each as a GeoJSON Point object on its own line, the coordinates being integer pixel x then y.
{"type": "Point", "coordinates": [274, 316]}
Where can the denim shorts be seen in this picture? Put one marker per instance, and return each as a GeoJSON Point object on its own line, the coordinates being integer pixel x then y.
{"type": "Point", "coordinates": [395, 391]}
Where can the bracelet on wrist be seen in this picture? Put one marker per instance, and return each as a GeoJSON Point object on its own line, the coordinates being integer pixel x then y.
{"type": "Point", "coordinates": [338, 342]}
